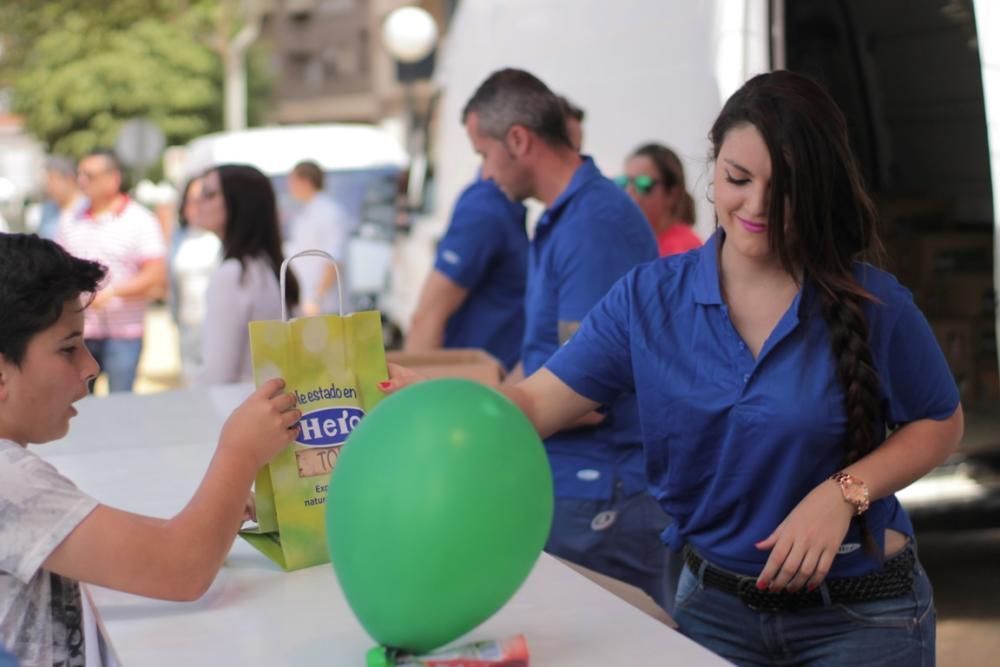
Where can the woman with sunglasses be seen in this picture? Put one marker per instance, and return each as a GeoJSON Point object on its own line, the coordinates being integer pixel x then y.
{"type": "Point", "coordinates": [654, 178]}
{"type": "Point", "coordinates": [238, 205]}
{"type": "Point", "coordinates": [786, 391]}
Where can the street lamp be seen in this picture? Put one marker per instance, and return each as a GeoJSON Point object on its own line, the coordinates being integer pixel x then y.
{"type": "Point", "coordinates": [410, 34]}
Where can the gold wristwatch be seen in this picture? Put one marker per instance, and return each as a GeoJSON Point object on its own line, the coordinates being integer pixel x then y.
{"type": "Point", "coordinates": [855, 491]}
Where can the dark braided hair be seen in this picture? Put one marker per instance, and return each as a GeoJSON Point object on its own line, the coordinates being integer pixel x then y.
{"type": "Point", "coordinates": [829, 223]}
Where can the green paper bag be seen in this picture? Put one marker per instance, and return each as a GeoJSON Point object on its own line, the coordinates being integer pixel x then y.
{"type": "Point", "coordinates": [332, 363]}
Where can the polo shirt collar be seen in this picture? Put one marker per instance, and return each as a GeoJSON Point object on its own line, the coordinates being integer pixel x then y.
{"type": "Point", "coordinates": [120, 204]}
{"type": "Point", "coordinates": [586, 172]}
{"type": "Point", "coordinates": [706, 278]}
{"type": "Point", "coordinates": [707, 290]}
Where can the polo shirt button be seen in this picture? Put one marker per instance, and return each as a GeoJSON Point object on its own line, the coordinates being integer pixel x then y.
{"type": "Point", "coordinates": [742, 345]}
{"type": "Point", "coordinates": [746, 378]}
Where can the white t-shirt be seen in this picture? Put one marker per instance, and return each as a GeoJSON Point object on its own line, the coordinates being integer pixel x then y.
{"type": "Point", "coordinates": [41, 613]}
{"type": "Point", "coordinates": [322, 224]}
{"type": "Point", "coordinates": [197, 257]}
{"type": "Point", "coordinates": [236, 296]}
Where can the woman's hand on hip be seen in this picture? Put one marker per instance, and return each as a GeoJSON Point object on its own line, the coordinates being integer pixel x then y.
{"type": "Point", "coordinates": [804, 545]}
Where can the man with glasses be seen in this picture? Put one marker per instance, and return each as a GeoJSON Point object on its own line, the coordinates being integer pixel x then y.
{"type": "Point", "coordinates": [121, 234]}
{"type": "Point", "coordinates": [590, 235]}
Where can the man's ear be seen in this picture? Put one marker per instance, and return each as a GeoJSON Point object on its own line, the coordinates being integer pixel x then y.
{"type": "Point", "coordinates": [5, 370]}
{"type": "Point", "coordinates": [519, 140]}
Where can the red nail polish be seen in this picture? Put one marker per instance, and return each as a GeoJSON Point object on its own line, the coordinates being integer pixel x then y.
{"type": "Point", "coordinates": [811, 587]}
{"type": "Point", "coordinates": [761, 585]}
{"type": "Point", "coordinates": [384, 385]}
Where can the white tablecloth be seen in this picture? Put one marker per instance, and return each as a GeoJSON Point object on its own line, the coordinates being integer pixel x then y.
{"type": "Point", "coordinates": [147, 454]}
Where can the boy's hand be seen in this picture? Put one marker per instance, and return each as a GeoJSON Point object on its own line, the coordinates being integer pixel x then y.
{"type": "Point", "coordinates": [263, 424]}
{"type": "Point", "coordinates": [250, 510]}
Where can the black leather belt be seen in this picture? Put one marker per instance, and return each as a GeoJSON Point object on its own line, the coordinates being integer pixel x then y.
{"type": "Point", "coordinates": [894, 579]}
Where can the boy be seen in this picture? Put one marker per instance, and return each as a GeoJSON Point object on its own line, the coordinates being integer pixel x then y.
{"type": "Point", "coordinates": [51, 534]}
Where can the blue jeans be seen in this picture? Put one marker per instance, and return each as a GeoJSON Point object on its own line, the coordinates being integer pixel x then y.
{"type": "Point", "coordinates": [618, 537]}
{"type": "Point", "coordinates": [890, 632]}
{"type": "Point", "coordinates": [118, 358]}
{"type": "Point", "coordinates": [6, 659]}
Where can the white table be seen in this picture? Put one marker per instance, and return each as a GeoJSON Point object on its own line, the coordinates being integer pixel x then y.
{"type": "Point", "coordinates": [147, 454]}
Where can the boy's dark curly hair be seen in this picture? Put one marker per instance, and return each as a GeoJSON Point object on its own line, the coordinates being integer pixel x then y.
{"type": "Point", "coordinates": [37, 278]}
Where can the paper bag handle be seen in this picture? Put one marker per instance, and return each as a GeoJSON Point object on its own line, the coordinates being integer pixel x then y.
{"type": "Point", "coordinates": [309, 253]}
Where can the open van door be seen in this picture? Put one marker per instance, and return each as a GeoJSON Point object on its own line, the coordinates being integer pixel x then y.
{"type": "Point", "coordinates": [910, 78]}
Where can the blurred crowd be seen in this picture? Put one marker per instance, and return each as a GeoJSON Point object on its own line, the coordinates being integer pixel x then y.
{"type": "Point", "coordinates": [212, 253]}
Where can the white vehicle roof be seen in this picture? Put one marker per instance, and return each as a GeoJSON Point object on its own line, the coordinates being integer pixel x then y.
{"type": "Point", "coordinates": [275, 150]}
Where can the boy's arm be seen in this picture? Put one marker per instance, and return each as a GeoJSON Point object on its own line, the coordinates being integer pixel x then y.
{"type": "Point", "coordinates": [178, 558]}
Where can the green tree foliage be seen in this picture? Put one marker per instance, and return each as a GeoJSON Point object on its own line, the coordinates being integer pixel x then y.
{"type": "Point", "coordinates": [23, 22]}
{"type": "Point", "coordinates": [91, 66]}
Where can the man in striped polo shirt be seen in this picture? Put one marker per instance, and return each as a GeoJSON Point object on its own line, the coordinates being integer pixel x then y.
{"type": "Point", "coordinates": [125, 237]}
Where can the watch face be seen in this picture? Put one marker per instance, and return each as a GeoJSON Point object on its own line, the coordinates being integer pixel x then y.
{"type": "Point", "coordinates": [855, 493]}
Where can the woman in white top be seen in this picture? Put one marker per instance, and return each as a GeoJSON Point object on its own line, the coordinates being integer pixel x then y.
{"type": "Point", "coordinates": [238, 204]}
{"type": "Point", "coordinates": [195, 254]}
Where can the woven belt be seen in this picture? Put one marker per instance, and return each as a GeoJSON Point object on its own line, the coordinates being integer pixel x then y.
{"type": "Point", "coordinates": [894, 579]}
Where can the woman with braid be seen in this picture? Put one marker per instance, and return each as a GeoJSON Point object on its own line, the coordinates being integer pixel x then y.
{"type": "Point", "coordinates": [786, 390]}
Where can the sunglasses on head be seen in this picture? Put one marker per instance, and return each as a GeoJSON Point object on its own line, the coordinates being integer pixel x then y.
{"type": "Point", "coordinates": [643, 184]}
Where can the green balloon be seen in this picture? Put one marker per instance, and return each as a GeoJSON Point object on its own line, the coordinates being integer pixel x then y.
{"type": "Point", "coordinates": [438, 508]}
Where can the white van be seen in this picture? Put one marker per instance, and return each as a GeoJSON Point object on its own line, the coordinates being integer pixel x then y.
{"type": "Point", "coordinates": [362, 164]}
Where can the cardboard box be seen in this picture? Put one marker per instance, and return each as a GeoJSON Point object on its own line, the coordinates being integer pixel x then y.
{"type": "Point", "coordinates": [988, 383]}
{"type": "Point", "coordinates": [957, 338]}
{"type": "Point", "coordinates": [957, 252]}
{"type": "Point", "coordinates": [987, 362]}
{"type": "Point", "coordinates": [921, 259]}
{"type": "Point", "coordinates": [901, 213]}
{"type": "Point", "coordinates": [958, 296]}
{"type": "Point", "coordinates": [470, 364]}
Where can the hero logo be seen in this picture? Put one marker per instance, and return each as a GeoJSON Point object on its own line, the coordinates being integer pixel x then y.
{"type": "Point", "coordinates": [329, 426]}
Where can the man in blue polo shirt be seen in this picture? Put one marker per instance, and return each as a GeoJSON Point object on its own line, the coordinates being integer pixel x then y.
{"type": "Point", "coordinates": [474, 297]}
{"type": "Point", "coordinates": [590, 235]}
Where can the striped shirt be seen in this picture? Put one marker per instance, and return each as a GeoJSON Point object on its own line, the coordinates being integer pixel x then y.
{"type": "Point", "coordinates": [123, 239]}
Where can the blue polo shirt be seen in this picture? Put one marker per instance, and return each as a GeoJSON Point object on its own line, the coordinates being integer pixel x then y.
{"type": "Point", "coordinates": [591, 236]}
{"type": "Point", "coordinates": [733, 443]}
{"type": "Point", "coordinates": [485, 250]}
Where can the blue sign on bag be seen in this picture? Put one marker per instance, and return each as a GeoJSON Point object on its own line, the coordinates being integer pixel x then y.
{"type": "Point", "coordinates": [329, 426]}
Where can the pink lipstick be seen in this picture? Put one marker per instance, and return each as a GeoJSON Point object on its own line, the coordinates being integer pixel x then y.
{"type": "Point", "coordinates": [752, 227]}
